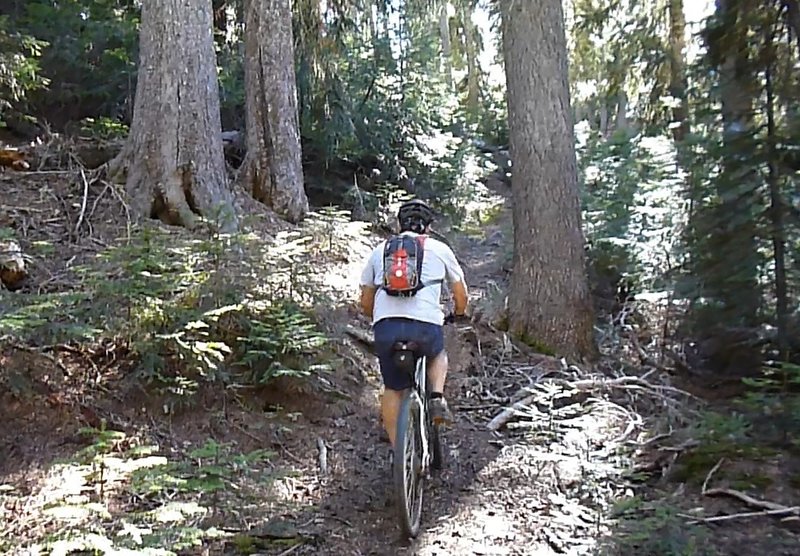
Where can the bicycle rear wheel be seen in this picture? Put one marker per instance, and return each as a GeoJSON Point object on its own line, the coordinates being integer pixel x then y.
{"type": "Point", "coordinates": [408, 479]}
{"type": "Point", "coordinates": [437, 456]}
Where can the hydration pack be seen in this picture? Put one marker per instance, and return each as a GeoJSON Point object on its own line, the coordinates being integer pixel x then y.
{"type": "Point", "coordinates": [402, 265]}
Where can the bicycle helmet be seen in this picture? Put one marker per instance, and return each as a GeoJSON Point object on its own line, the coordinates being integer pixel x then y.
{"type": "Point", "coordinates": [415, 216]}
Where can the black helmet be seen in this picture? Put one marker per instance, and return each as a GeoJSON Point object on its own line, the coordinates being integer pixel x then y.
{"type": "Point", "coordinates": [415, 216]}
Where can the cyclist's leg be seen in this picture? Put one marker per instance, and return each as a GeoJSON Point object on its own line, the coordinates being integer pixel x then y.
{"type": "Point", "coordinates": [437, 372]}
{"type": "Point", "coordinates": [396, 382]}
{"type": "Point", "coordinates": [433, 346]}
{"type": "Point", "coordinates": [431, 339]}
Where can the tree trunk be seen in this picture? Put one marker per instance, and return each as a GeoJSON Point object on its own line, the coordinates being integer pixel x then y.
{"type": "Point", "coordinates": [603, 109]}
{"type": "Point", "coordinates": [549, 305]}
{"type": "Point", "coordinates": [220, 8]}
{"type": "Point", "coordinates": [622, 123]}
{"type": "Point", "coordinates": [173, 157]}
{"type": "Point", "coordinates": [473, 77]}
{"type": "Point", "coordinates": [677, 67]}
{"type": "Point", "coordinates": [447, 51]}
{"type": "Point", "coordinates": [273, 169]}
{"type": "Point", "coordinates": [777, 210]}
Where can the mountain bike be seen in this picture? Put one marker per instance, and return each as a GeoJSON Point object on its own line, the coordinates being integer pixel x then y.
{"type": "Point", "coordinates": [418, 447]}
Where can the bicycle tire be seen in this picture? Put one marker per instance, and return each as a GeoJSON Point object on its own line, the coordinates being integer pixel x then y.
{"type": "Point", "coordinates": [437, 456]}
{"type": "Point", "coordinates": [407, 466]}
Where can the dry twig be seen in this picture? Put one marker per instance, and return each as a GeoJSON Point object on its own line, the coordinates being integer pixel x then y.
{"type": "Point", "coordinates": [714, 469]}
{"type": "Point", "coordinates": [505, 416]}
{"type": "Point", "coordinates": [83, 203]}
{"type": "Point", "coordinates": [323, 456]}
{"type": "Point", "coordinates": [728, 517]}
{"type": "Point", "coordinates": [750, 501]}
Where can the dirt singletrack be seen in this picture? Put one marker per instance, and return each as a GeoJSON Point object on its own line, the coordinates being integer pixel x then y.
{"type": "Point", "coordinates": [497, 495]}
{"type": "Point", "coordinates": [302, 466]}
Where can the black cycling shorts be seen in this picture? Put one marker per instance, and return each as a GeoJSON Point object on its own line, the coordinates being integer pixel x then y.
{"type": "Point", "coordinates": [430, 338]}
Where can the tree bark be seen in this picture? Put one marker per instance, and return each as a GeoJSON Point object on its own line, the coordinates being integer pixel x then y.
{"type": "Point", "coordinates": [444, 35]}
{"type": "Point", "coordinates": [777, 207]}
{"type": "Point", "coordinates": [173, 157]}
{"type": "Point", "coordinates": [622, 123]}
{"type": "Point", "coordinates": [550, 306]}
{"type": "Point", "coordinates": [677, 67]}
{"type": "Point", "coordinates": [220, 8]}
{"type": "Point", "coordinates": [603, 110]}
{"type": "Point", "coordinates": [273, 169]}
{"type": "Point", "coordinates": [473, 76]}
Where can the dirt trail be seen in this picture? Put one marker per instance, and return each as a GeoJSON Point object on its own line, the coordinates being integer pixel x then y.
{"type": "Point", "coordinates": [547, 483]}
{"type": "Point", "coordinates": [541, 492]}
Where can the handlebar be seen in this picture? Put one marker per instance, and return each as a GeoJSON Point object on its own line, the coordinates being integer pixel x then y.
{"type": "Point", "coordinates": [453, 318]}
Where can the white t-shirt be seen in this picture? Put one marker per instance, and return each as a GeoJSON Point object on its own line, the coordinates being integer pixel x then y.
{"type": "Point", "coordinates": [438, 263]}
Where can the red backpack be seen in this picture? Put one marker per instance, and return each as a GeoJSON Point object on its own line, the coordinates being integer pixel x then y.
{"type": "Point", "coordinates": [402, 265]}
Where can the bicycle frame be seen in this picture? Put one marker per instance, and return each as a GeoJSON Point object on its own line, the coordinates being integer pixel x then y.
{"type": "Point", "coordinates": [420, 391]}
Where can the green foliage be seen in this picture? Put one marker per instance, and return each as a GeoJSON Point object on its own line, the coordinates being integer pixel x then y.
{"type": "Point", "coordinates": [660, 531]}
{"type": "Point", "coordinates": [161, 504]}
{"type": "Point", "coordinates": [103, 128]}
{"type": "Point", "coordinates": [193, 310]}
{"type": "Point", "coordinates": [373, 94]}
{"type": "Point", "coordinates": [773, 399]}
{"type": "Point", "coordinates": [103, 442]}
{"type": "Point", "coordinates": [733, 436]}
{"type": "Point", "coordinates": [207, 469]}
{"type": "Point", "coordinates": [20, 73]}
{"type": "Point", "coordinates": [89, 59]}
{"type": "Point", "coordinates": [278, 334]}
{"type": "Point", "coordinates": [230, 69]}
{"type": "Point", "coordinates": [632, 204]}
{"type": "Point", "coordinates": [619, 48]}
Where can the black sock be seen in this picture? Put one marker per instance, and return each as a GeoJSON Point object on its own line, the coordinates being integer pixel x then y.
{"type": "Point", "coordinates": [435, 395]}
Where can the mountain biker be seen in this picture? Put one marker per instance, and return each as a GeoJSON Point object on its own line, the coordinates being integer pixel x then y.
{"type": "Point", "coordinates": [417, 317]}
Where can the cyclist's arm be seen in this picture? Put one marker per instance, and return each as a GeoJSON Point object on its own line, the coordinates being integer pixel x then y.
{"type": "Point", "coordinates": [368, 288]}
{"type": "Point", "coordinates": [460, 298]}
{"type": "Point", "coordinates": [455, 277]}
{"type": "Point", "coordinates": [368, 299]}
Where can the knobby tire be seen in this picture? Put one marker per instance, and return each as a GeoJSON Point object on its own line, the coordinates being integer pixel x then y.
{"type": "Point", "coordinates": [408, 442]}
{"type": "Point", "coordinates": [437, 457]}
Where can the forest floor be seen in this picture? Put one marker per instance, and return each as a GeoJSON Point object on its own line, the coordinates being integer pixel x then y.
{"type": "Point", "coordinates": [608, 459]}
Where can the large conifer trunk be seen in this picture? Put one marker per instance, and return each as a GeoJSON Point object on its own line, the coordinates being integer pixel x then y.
{"type": "Point", "coordinates": [174, 158]}
{"type": "Point", "coordinates": [549, 303]}
{"type": "Point", "coordinates": [272, 169]}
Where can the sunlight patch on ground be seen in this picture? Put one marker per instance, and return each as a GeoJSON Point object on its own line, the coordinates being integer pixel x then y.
{"type": "Point", "coordinates": [549, 489]}
{"type": "Point", "coordinates": [124, 504]}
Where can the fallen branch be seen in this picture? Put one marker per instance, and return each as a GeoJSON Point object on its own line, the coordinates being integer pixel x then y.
{"type": "Point", "coordinates": [711, 474]}
{"type": "Point", "coordinates": [583, 385]}
{"type": "Point", "coordinates": [622, 382]}
{"type": "Point", "coordinates": [682, 447]}
{"type": "Point", "coordinates": [505, 416]}
{"type": "Point", "coordinates": [323, 456]}
{"type": "Point", "coordinates": [83, 204]}
{"type": "Point", "coordinates": [753, 502]}
{"type": "Point", "coordinates": [729, 517]}
{"type": "Point", "coordinates": [291, 549]}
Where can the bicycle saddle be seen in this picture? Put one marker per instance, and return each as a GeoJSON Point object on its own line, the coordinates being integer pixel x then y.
{"type": "Point", "coordinates": [402, 345]}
